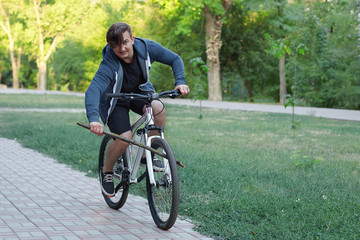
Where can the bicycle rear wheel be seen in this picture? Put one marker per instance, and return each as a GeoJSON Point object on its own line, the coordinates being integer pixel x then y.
{"type": "Point", "coordinates": [164, 197]}
{"type": "Point", "coordinates": [121, 175]}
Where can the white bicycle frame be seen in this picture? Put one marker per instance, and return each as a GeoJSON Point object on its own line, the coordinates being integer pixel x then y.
{"type": "Point", "coordinates": [134, 164]}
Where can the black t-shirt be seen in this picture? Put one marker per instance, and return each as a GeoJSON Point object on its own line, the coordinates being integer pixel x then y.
{"type": "Point", "coordinates": [133, 76]}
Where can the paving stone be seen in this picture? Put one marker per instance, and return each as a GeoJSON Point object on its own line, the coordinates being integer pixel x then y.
{"type": "Point", "coordinates": [71, 207]}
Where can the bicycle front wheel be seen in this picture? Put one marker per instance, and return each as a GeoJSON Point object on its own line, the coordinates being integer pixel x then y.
{"type": "Point", "coordinates": [164, 197]}
{"type": "Point", "coordinates": [120, 176]}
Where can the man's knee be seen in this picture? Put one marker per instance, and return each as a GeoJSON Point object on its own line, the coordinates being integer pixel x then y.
{"type": "Point", "coordinates": [122, 144]}
{"type": "Point", "coordinates": [158, 109]}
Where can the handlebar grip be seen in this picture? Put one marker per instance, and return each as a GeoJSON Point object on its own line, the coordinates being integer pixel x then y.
{"type": "Point", "coordinates": [117, 95]}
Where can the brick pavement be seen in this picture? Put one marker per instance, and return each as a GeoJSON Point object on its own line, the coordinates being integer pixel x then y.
{"type": "Point", "coordinates": [43, 199]}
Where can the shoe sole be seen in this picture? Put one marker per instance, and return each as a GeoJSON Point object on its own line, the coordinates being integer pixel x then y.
{"type": "Point", "coordinates": [109, 195]}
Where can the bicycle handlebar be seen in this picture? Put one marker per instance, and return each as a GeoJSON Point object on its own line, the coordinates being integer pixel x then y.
{"type": "Point", "coordinates": [151, 96]}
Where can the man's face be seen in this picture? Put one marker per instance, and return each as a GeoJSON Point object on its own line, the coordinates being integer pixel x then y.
{"type": "Point", "coordinates": [125, 49]}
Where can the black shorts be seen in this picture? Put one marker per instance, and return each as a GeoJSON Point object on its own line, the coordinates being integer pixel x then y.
{"type": "Point", "coordinates": [119, 120]}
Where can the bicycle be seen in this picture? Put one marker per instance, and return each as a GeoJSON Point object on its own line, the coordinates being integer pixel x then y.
{"type": "Point", "coordinates": [163, 190]}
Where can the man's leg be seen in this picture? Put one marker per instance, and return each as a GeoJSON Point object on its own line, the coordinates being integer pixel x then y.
{"type": "Point", "coordinates": [118, 123]}
{"type": "Point", "coordinates": [114, 151]}
{"type": "Point", "coordinates": [159, 114]}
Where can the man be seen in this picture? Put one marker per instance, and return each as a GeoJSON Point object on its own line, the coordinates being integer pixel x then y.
{"type": "Point", "coordinates": [125, 68]}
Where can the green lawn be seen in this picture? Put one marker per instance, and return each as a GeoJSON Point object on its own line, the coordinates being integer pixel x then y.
{"type": "Point", "coordinates": [41, 101]}
{"type": "Point", "coordinates": [247, 175]}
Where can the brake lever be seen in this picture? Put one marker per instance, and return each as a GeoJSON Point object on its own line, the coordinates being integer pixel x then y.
{"type": "Point", "coordinates": [175, 93]}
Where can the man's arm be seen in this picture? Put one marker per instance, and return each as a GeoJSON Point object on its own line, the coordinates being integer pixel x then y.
{"type": "Point", "coordinates": [97, 86]}
{"type": "Point", "coordinates": [163, 55]}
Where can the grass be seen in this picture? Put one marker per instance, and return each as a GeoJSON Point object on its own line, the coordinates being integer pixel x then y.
{"type": "Point", "coordinates": [247, 175]}
{"type": "Point", "coordinates": [41, 101]}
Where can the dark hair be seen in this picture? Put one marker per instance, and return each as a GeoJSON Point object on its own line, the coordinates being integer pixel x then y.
{"type": "Point", "coordinates": [114, 35]}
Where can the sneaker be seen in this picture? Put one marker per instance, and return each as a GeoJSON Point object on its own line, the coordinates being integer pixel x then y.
{"type": "Point", "coordinates": [107, 183]}
{"type": "Point", "coordinates": [158, 165]}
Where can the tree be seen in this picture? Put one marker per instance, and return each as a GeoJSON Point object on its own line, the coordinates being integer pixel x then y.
{"type": "Point", "coordinates": [77, 57]}
{"type": "Point", "coordinates": [246, 69]}
{"type": "Point", "coordinates": [9, 13]}
{"type": "Point", "coordinates": [330, 71]}
{"type": "Point", "coordinates": [215, 13]}
{"type": "Point", "coordinates": [52, 19]}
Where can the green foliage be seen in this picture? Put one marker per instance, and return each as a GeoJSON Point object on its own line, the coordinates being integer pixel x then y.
{"type": "Point", "coordinates": [199, 70]}
{"type": "Point", "coordinates": [68, 65]}
{"type": "Point", "coordinates": [291, 99]}
{"type": "Point", "coordinates": [328, 76]}
{"type": "Point", "coordinates": [160, 27]}
{"type": "Point", "coordinates": [246, 69]}
{"type": "Point", "coordinates": [304, 162]}
{"type": "Point", "coordinates": [278, 48]}
{"type": "Point", "coordinates": [301, 49]}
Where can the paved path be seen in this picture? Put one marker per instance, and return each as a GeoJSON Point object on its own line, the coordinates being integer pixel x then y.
{"type": "Point", "coordinates": [43, 199]}
{"type": "Point", "coordinates": [340, 114]}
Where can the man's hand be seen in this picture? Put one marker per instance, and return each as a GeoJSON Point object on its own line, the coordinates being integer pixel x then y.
{"type": "Point", "coordinates": [97, 128]}
{"type": "Point", "coordinates": [184, 89]}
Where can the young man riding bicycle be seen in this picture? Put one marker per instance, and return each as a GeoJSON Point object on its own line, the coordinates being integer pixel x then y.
{"type": "Point", "coordinates": [125, 68]}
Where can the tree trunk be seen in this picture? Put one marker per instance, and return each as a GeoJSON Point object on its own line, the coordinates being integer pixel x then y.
{"type": "Point", "coordinates": [358, 5]}
{"type": "Point", "coordinates": [42, 75]}
{"type": "Point", "coordinates": [7, 28]}
{"type": "Point", "coordinates": [213, 44]}
{"type": "Point", "coordinates": [14, 66]}
{"type": "Point", "coordinates": [41, 57]}
{"type": "Point", "coordinates": [249, 88]}
{"type": "Point", "coordinates": [282, 79]}
{"type": "Point", "coordinates": [18, 62]}
{"type": "Point", "coordinates": [43, 54]}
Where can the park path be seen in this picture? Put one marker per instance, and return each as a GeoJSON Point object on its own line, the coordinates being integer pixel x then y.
{"type": "Point", "coordinates": [43, 199]}
{"type": "Point", "coordinates": [339, 114]}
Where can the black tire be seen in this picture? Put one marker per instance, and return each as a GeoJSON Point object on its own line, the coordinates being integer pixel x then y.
{"type": "Point", "coordinates": [164, 197]}
{"type": "Point", "coordinates": [120, 174]}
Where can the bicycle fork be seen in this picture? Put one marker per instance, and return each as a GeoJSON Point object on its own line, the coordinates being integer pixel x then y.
{"type": "Point", "coordinates": [151, 126]}
{"type": "Point", "coordinates": [149, 164]}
